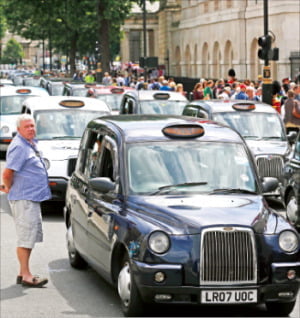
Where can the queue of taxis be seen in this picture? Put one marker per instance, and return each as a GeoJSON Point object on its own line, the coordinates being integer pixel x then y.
{"type": "Point", "coordinates": [60, 122]}
{"type": "Point", "coordinates": [152, 102]}
{"type": "Point", "coordinates": [11, 99]}
{"type": "Point", "coordinates": [290, 185]}
{"type": "Point", "coordinates": [111, 95]}
{"type": "Point", "coordinates": [258, 123]}
{"type": "Point", "coordinates": [170, 210]}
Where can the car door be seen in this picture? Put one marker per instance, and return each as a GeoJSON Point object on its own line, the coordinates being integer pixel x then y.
{"type": "Point", "coordinates": [78, 190]}
{"type": "Point", "coordinates": [103, 208]}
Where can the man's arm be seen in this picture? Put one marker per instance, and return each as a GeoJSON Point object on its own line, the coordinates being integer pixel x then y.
{"type": "Point", "coordinates": [7, 177]}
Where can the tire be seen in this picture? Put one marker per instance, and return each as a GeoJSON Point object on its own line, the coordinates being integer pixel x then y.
{"type": "Point", "coordinates": [292, 210]}
{"type": "Point", "coordinates": [277, 309]}
{"type": "Point", "coordinates": [131, 301]}
{"type": "Point", "coordinates": [75, 258]}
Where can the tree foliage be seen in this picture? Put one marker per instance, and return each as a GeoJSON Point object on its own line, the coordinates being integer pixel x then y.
{"type": "Point", "coordinates": [13, 52]}
{"type": "Point", "coordinates": [70, 27]}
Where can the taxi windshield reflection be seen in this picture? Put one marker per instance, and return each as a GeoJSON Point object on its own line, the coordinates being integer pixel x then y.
{"type": "Point", "coordinates": [62, 124]}
{"type": "Point", "coordinates": [255, 126]}
{"type": "Point", "coordinates": [192, 167]}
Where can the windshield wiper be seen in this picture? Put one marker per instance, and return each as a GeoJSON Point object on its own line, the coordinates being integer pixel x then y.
{"type": "Point", "coordinates": [66, 137]}
{"type": "Point", "coordinates": [231, 190]}
{"type": "Point", "coordinates": [271, 137]}
{"type": "Point", "coordinates": [168, 188]}
{"type": "Point", "coordinates": [251, 137]}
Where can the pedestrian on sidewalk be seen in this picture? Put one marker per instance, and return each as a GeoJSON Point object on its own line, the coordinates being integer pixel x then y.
{"type": "Point", "coordinates": [26, 183]}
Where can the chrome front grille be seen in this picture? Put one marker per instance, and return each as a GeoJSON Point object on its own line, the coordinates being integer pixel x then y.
{"type": "Point", "coordinates": [227, 256]}
{"type": "Point", "coordinates": [269, 166]}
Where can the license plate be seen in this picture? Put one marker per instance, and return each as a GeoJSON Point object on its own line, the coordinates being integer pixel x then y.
{"type": "Point", "coordinates": [232, 296]}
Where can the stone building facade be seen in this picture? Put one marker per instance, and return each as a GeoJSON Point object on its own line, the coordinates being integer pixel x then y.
{"type": "Point", "coordinates": [205, 38]}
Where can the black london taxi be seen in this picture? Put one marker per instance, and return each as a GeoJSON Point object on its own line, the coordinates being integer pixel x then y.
{"type": "Point", "coordinates": [258, 123]}
{"type": "Point", "coordinates": [290, 186]}
{"type": "Point", "coordinates": [152, 102]}
{"type": "Point", "coordinates": [169, 209]}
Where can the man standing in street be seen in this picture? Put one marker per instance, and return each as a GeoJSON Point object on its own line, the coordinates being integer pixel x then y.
{"type": "Point", "coordinates": [26, 182]}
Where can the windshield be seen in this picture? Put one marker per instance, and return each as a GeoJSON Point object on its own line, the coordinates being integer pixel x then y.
{"type": "Point", "coordinates": [193, 167]}
{"type": "Point", "coordinates": [112, 100]}
{"type": "Point", "coordinates": [56, 90]}
{"type": "Point", "coordinates": [63, 123]}
{"type": "Point", "coordinates": [12, 105]}
{"type": "Point", "coordinates": [80, 92]}
{"type": "Point", "coordinates": [253, 125]}
{"type": "Point", "coordinates": [166, 107]}
{"type": "Point", "coordinates": [32, 82]}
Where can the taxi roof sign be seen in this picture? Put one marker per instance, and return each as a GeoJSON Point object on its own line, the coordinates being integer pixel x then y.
{"type": "Point", "coordinates": [161, 96]}
{"type": "Point", "coordinates": [71, 103]}
{"type": "Point", "coordinates": [23, 91]}
{"type": "Point", "coordinates": [183, 131]}
{"type": "Point", "coordinates": [117, 90]}
{"type": "Point", "coordinates": [243, 106]}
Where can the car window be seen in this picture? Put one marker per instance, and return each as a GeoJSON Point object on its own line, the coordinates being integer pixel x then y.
{"type": "Point", "coordinates": [64, 123]}
{"type": "Point", "coordinates": [11, 105]}
{"type": "Point", "coordinates": [166, 107]}
{"type": "Point", "coordinates": [253, 125]}
{"type": "Point", "coordinates": [151, 166]}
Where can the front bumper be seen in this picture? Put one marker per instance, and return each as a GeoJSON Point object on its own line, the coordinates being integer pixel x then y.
{"type": "Point", "coordinates": [58, 188]}
{"type": "Point", "coordinates": [172, 290]}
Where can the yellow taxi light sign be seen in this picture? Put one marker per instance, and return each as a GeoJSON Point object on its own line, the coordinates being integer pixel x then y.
{"type": "Point", "coordinates": [161, 96]}
{"type": "Point", "coordinates": [183, 131]}
{"type": "Point", "coordinates": [23, 91]}
{"type": "Point", "coordinates": [71, 103]}
{"type": "Point", "coordinates": [243, 107]}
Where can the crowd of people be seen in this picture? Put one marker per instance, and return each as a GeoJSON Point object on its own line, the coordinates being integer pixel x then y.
{"type": "Point", "coordinates": [285, 95]}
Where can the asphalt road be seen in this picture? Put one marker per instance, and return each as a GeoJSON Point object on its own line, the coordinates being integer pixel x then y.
{"type": "Point", "coordinates": [72, 293]}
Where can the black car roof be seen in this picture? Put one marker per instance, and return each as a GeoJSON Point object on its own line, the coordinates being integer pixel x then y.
{"type": "Point", "coordinates": [136, 128]}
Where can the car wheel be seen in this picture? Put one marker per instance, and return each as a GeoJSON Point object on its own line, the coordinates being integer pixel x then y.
{"type": "Point", "coordinates": [277, 309]}
{"type": "Point", "coordinates": [292, 210]}
{"type": "Point", "coordinates": [75, 258]}
{"type": "Point", "coordinates": [130, 299]}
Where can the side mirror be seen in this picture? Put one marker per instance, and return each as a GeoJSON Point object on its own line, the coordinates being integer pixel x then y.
{"type": "Point", "coordinates": [269, 184]}
{"type": "Point", "coordinates": [102, 185]}
{"type": "Point", "coordinates": [292, 135]}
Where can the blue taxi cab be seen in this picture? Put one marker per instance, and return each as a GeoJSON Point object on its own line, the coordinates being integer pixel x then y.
{"type": "Point", "coordinates": [170, 210]}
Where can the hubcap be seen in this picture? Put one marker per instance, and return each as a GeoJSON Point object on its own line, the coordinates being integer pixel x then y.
{"type": "Point", "coordinates": [124, 284]}
{"type": "Point", "coordinates": [291, 210]}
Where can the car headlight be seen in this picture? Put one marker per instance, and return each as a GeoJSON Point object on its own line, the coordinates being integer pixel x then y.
{"type": "Point", "coordinates": [159, 242]}
{"type": "Point", "coordinates": [4, 129]}
{"type": "Point", "coordinates": [288, 241]}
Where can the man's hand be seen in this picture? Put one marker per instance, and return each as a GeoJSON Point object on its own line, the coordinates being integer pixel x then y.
{"type": "Point", "coordinates": [3, 188]}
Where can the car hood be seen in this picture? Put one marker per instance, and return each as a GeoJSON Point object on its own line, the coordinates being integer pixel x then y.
{"type": "Point", "coordinates": [58, 149]}
{"type": "Point", "coordinates": [188, 214]}
{"type": "Point", "coordinates": [268, 147]}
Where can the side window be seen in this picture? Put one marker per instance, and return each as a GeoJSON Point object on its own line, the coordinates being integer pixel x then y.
{"type": "Point", "coordinates": [128, 106]}
{"type": "Point", "coordinates": [109, 159]}
{"type": "Point", "coordinates": [85, 162]}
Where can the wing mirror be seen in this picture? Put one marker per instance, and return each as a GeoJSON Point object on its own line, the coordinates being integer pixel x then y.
{"type": "Point", "coordinates": [269, 184]}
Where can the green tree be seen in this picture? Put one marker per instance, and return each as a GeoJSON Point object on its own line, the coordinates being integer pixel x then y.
{"type": "Point", "coordinates": [13, 52]}
{"type": "Point", "coordinates": [2, 26]}
{"type": "Point", "coordinates": [71, 27]}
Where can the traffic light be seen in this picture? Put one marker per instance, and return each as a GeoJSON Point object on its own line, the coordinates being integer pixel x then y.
{"type": "Point", "coordinates": [265, 42]}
